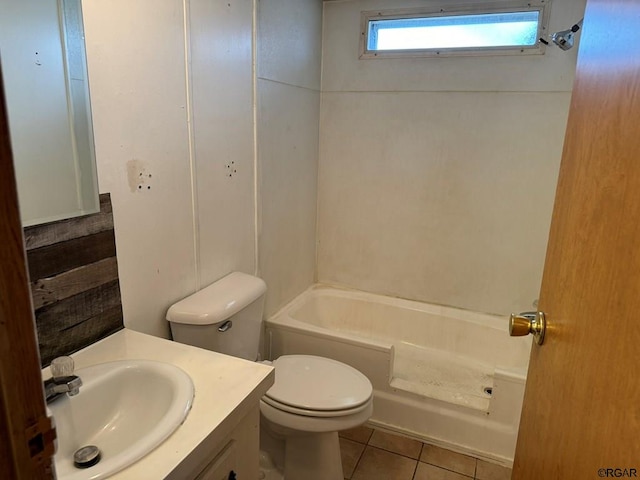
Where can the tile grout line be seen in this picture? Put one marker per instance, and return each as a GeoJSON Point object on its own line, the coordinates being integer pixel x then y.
{"type": "Point", "coordinates": [363, 450]}
{"type": "Point", "coordinates": [370, 436]}
{"type": "Point", "coordinates": [398, 454]}
{"type": "Point", "coordinates": [415, 470]}
{"type": "Point", "coordinates": [417, 461]}
{"type": "Point", "coordinates": [355, 467]}
{"type": "Point", "coordinates": [366, 444]}
{"type": "Point", "coordinates": [449, 470]}
{"type": "Point", "coordinates": [422, 444]}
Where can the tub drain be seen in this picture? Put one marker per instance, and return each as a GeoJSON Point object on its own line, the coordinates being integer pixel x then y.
{"type": "Point", "coordinates": [488, 391]}
{"type": "Point", "coordinates": [86, 457]}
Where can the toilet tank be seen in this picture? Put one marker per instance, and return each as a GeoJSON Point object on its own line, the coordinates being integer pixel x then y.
{"type": "Point", "coordinates": [225, 317]}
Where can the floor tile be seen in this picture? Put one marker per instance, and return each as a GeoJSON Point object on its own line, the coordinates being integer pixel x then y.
{"type": "Point", "coordinates": [350, 452]}
{"type": "Point", "coordinates": [431, 472]}
{"type": "Point", "coordinates": [491, 471]}
{"type": "Point", "coordinates": [449, 460]}
{"type": "Point", "coordinates": [376, 464]}
{"type": "Point", "coordinates": [359, 434]}
{"type": "Point", "coordinates": [396, 444]}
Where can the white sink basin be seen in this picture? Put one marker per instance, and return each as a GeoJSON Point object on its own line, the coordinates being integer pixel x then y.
{"type": "Point", "coordinates": [125, 408]}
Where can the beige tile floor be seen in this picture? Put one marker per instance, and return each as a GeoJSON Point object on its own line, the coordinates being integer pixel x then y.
{"type": "Point", "coordinates": [373, 454]}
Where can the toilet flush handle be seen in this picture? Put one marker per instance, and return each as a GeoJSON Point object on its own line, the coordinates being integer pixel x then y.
{"type": "Point", "coordinates": [225, 326]}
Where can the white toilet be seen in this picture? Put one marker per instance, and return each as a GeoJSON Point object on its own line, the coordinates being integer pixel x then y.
{"type": "Point", "coordinates": [313, 397]}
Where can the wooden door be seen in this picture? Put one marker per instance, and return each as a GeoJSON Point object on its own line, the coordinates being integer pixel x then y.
{"type": "Point", "coordinates": [26, 434]}
{"type": "Point", "coordinates": [581, 414]}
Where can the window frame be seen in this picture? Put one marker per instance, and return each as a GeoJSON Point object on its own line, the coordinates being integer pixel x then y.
{"type": "Point", "coordinates": [442, 9]}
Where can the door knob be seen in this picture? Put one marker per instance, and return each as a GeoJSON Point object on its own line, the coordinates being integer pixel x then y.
{"type": "Point", "coordinates": [526, 323]}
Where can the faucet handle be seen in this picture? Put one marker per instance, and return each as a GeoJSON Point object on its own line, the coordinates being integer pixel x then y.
{"type": "Point", "coordinates": [62, 379]}
{"type": "Point", "coordinates": [62, 367]}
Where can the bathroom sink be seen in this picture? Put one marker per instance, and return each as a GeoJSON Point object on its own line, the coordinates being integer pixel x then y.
{"type": "Point", "coordinates": [125, 408]}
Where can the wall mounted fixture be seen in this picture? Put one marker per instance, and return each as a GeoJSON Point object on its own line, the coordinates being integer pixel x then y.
{"type": "Point", "coordinates": [564, 38]}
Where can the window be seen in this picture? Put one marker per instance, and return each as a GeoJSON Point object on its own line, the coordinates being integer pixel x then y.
{"type": "Point", "coordinates": [454, 31]}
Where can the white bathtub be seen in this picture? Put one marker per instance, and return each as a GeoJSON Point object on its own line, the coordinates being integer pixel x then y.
{"type": "Point", "coordinates": [430, 366]}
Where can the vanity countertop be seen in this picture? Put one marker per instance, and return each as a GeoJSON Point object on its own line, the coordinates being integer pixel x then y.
{"type": "Point", "coordinates": [226, 388]}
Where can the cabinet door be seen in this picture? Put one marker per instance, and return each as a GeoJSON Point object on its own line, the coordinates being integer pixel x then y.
{"type": "Point", "coordinates": [223, 466]}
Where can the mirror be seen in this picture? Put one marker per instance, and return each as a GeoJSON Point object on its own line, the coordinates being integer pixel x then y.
{"type": "Point", "coordinates": [47, 90]}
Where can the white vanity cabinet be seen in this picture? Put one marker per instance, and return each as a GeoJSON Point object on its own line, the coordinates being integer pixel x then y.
{"type": "Point", "coordinates": [224, 466]}
{"type": "Point", "coordinates": [237, 458]}
{"type": "Point", "coordinates": [221, 433]}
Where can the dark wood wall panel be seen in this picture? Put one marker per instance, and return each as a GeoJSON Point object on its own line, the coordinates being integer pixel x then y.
{"type": "Point", "coordinates": [61, 257]}
{"type": "Point", "coordinates": [66, 284]}
{"type": "Point", "coordinates": [64, 342]}
{"type": "Point", "coordinates": [56, 232]}
{"type": "Point", "coordinates": [74, 281]}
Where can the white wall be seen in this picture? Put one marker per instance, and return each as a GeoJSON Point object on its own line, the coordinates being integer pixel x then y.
{"type": "Point", "coordinates": [288, 86]}
{"type": "Point", "coordinates": [437, 175]}
{"type": "Point", "coordinates": [221, 34]}
{"type": "Point", "coordinates": [172, 107]}
{"type": "Point", "coordinates": [172, 86]}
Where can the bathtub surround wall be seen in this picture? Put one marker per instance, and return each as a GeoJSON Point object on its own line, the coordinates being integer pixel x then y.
{"type": "Point", "coordinates": [173, 92]}
{"type": "Point", "coordinates": [288, 90]}
{"type": "Point", "coordinates": [73, 272]}
{"type": "Point", "coordinates": [437, 175]}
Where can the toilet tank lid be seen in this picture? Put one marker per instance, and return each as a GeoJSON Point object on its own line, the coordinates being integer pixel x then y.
{"type": "Point", "coordinates": [219, 301]}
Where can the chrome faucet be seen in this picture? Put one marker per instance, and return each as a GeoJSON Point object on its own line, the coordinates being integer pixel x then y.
{"type": "Point", "coordinates": [62, 380]}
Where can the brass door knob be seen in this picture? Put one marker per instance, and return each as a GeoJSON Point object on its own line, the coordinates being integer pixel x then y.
{"type": "Point", "coordinates": [526, 323]}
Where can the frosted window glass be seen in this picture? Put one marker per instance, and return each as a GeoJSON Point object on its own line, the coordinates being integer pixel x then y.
{"type": "Point", "coordinates": [513, 29]}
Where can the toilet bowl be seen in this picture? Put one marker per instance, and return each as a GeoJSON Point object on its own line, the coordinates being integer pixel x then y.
{"type": "Point", "coordinates": [312, 398]}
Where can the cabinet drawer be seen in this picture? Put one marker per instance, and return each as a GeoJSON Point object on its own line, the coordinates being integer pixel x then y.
{"type": "Point", "coordinates": [222, 465]}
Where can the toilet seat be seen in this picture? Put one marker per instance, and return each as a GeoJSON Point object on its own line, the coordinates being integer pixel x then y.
{"type": "Point", "coordinates": [318, 387]}
{"type": "Point", "coordinates": [314, 413]}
